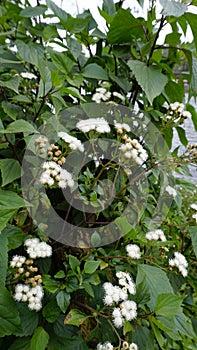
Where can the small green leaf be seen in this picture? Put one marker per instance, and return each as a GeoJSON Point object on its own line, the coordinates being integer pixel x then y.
{"type": "Point", "coordinates": [94, 71]}
{"type": "Point", "coordinates": [40, 339]}
{"type": "Point", "coordinates": [167, 305]}
{"type": "Point", "coordinates": [51, 311]}
{"type": "Point", "coordinates": [11, 84]}
{"type": "Point", "coordinates": [9, 316]}
{"type": "Point", "coordinates": [74, 92]}
{"type": "Point", "coordinates": [33, 11]}
{"type": "Point", "coordinates": [109, 7]}
{"type": "Point", "coordinates": [151, 80]}
{"type": "Point", "coordinates": [19, 126]}
{"type": "Point", "coordinates": [63, 300]}
{"type": "Point", "coordinates": [60, 274]}
{"type": "Point", "coordinates": [49, 284]}
{"type": "Point", "coordinates": [182, 135]}
{"type": "Point", "coordinates": [57, 11]}
{"type": "Point", "coordinates": [75, 317]}
{"type": "Point", "coordinates": [73, 262]}
{"type": "Point", "coordinates": [91, 266]}
{"type": "Point", "coordinates": [10, 170]}
{"type": "Point", "coordinates": [193, 235]}
{"type": "Point", "coordinates": [11, 109]}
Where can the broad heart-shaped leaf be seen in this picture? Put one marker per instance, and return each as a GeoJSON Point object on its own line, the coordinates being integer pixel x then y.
{"type": "Point", "coordinates": [3, 258]}
{"type": "Point", "coordinates": [156, 280]}
{"type": "Point", "coordinates": [94, 71]}
{"type": "Point", "coordinates": [124, 27]}
{"type": "Point", "coordinates": [151, 80]}
{"type": "Point", "coordinates": [143, 337]}
{"type": "Point", "coordinates": [10, 170]}
{"type": "Point", "coordinates": [91, 266]}
{"type": "Point", "coordinates": [173, 8]}
{"type": "Point", "coordinates": [193, 235]}
{"type": "Point", "coordinates": [40, 339]}
{"type": "Point", "coordinates": [10, 202]}
{"type": "Point", "coordinates": [11, 84]}
{"type": "Point", "coordinates": [15, 236]}
{"type": "Point", "coordinates": [9, 316]}
{"type": "Point", "coordinates": [167, 305]}
{"type": "Point", "coordinates": [29, 320]}
{"type": "Point", "coordinates": [33, 11]}
{"type": "Point", "coordinates": [19, 126]}
{"type": "Point", "coordinates": [75, 317]}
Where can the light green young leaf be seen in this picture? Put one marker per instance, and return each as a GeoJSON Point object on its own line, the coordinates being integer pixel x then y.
{"type": "Point", "coordinates": [73, 91]}
{"type": "Point", "coordinates": [91, 266]}
{"type": "Point", "coordinates": [10, 170]}
{"type": "Point", "coordinates": [168, 304]}
{"type": "Point", "coordinates": [151, 80]}
{"type": "Point", "coordinates": [40, 339]}
{"type": "Point", "coordinates": [75, 317]}
{"type": "Point", "coordinates": [173, 8]}
{"type": "Point", "coordinates": [74, 263]}
{"type": "Point", "coordinates": [9, 316]}
{"type": "Point", "coordinates": [94, 71]}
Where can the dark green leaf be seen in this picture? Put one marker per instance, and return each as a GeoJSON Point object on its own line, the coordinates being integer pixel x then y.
{"type": "Point", "coordinates": [191, 19]}
{"type": "Point", "coordinates": [33, 11]}
{"type": "Point", "coordinates": [182, 135]}
{"type": "Point", "coordinates": [193, 235]}
{"type": "Point", "coordinates": [63, 300]}
{"type": "Point", "coordinates": [9, 316]}
{"type": "Point", "coordinates": [151, 80]}
{"type": "Point", "coordinates": [29, 320]}
{"type": "Point", "coordinates": [51, 311]}
{"type": "Point", "coordinates": [50, 284]}
{"type": "Point", "coordinates": [11, 84]}
{"type": "Point", "coordinates": [3, 258]}
{"type": "Point", "coordinates": [11, 109]}
{"type": "Point", "coordinates": [21, 344]}
{"type": "Point", "coordinates": [19, 126]}
{"type": "Point", "coordinates": [94, 71]}
{"type": "Point", "coordinates": [143, 337]}
{"type": "Point", "coordinates": [40, 339]}
{"type": "Point", "coordinates": [10, 170]}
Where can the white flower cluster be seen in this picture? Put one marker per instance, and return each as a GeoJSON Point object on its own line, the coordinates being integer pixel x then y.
{"type": "Point", "coordinates": [73, 142]}
{"type": "Point", "coordinates": [27, 75]}
{"type": "Point", "coordinates": [127, 309]}
{"type": "Point", "coordinates": [105, 346]}
{"type": "Point", "coordinates": [133, 251]}
{"type": "Point", "coordinates": [37, 249]}
{"type": "Point", "coordinates": [133, 150]}
{"type": "Point", "coordinates": [176, 111]}
{"type": "Point", "coordinates": [102, 95]}
{"type": "Point", "coordinates": [53, 172]}
{"type": "Point", "coordinates": [171, 191]}
{"type": "Point", "coordinates": [194, 206]}
{"type": "Point", "coordinates": [180, 262]}
{"type": "Point", "coordinates": [109, 346]}
{"type": "Point", "coordinates": [121, 127]}
{"type": "Point", "coordinates": [156, 235]}
{"type": "Point", "coordinates": [33, 295]}
{"type": "Point", "coordinates": [17, 261]}
{"type": "Point", "coordinates": [98, 124]}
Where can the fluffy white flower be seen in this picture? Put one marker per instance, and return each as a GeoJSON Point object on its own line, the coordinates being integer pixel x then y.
{"type": "Point", "coordinates": [73, 142]}
{"type": "Point", "coordinates": [133, 346]}
{"type": "Point", "coordinates": [171, 191]}
{"type": "Point", "coordinates": [195, 217]}
{"type": "Point", "coordinates": [118, 95]}
{"type": "Point", "coordinates": [17, 261]}
{"type": "Point", "coordinates": [156, 235]}
{"type": "Point", "coordinates": [133, 251]}
{"type": "Point", "coordinates": [37, 249]}
{"type": "Point", "coordinates": [180, 262]}
{"type": "Point", "coordinates": [100, 95]}
{"type": "Point", "coordinates": [193, 206]}
{"type": "Point", "coordinates": [98, 124]}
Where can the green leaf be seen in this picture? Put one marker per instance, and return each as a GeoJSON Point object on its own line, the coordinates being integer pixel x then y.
{"type": "Point", "coordinates": [123, 225]}
{"type": "Point", "coordinates": [33, 11]}
{"type": "Point", "coordinates": [193, 235]}
{"type": "Point", "coordinates": [124, 27]}
{"type": "Point", "coordinates": [40, 339]}
{"type": "Point", "coordinates": [184, 325]}
{"type": "Point", "coordinates": [62, 15]}
{"type": "Point", "coordinates": [49, 284]}
{"type": "Point", "coordinates": [22, 99]}
{"type": "Point", "coordinates": [173, 8]}
{"type": "Point", "coordinates": [91, 266]}
{"type": "Point", "coordinates": [151, 80]}
{"type": "Point", "coordinates": [156, 280]}
{"type": "Point", "coordinates": [9, 316]}
{"type": "Point", "coordinates": [11, 84]}
{"type": "Point", "coordinates": [157, 333]}
{"type": "Point", "coordinates": [182, 135]}
{"type": "Point", "coordinates": [10, 200]}
{"type": "Point", "coordinates": [109, 7]}
{"type": "Point", "coordinates": [75, 317]}
{"type": "Point", "coordinates": [142, 292]}
{"type": "Point", "coordinates": [63, 300]}
{"type": "Point", "coordinates": [11, 109]}
{"type": "Point", "coordinates": [10, 170]}
{"type": "Point", "coordinates": [62, 62]}
{"type": "Point", "coordinates": [60, 274]}
{"type": "Point", "coordinates": [51, 311]}
{"type": "Point", "coordinates": [15, 236]}
{"type": "Point", "coordinates": [191, 19]}
{"type": "Point", "coordinates": [29, 320]}
{"type": "Point", "coordinates": [19, 126]}
{"type": "Point", "coordinates": [193, 84]}
{"type": "Point", "coordinates": [21, 344]}
{"type": "Point", "coordinates": [143, 337]}
{"type": "Point", "coordinates": [73, 263]}
{"type": "Point", "coordinates": [73, 91]}
{"type": "Point", "coordinates": [94, 71]}
{"type": "Point", "coordinates": [167, 305]}
{"type": "Point", "coordinates": [29, 52]}
{"type": "Point", "coordinates": [173, 39]}
{"type": "Point", "coordinates": [3, 258]}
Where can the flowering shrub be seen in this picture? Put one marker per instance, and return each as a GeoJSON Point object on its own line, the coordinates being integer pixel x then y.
{"type": "Point", "coordinates": [98, 210]}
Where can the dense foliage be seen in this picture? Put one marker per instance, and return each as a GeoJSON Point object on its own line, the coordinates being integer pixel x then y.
{"type": "Point", "coordinates": [88, 115]}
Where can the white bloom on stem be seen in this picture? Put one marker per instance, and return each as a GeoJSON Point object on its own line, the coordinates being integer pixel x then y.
{"type": "Point", "coordinates": [73, 142]}
{"type": "Point", "coordinates": [171, 191]}
{"type": "Point", "coordinates": [17, 261]}
{"type": "Point", "coordinates": [193, 206]}
{"type": "Point", "coordinates": [195, 217]}
{"type": "Point", "coordinates": [133, 251]}
{"type": "Point", "coordinates": [98, 124]}
{"type": "Point", "coordinates": [37, 249]}
{"type": "Point", "coordinates": [156, 235]}
{"type": "Point", "coordinates": [180, 262]}
{"type": "Point", "coordinates": [133, 346]}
